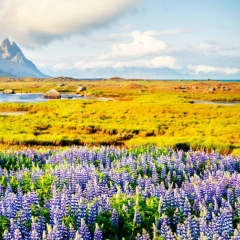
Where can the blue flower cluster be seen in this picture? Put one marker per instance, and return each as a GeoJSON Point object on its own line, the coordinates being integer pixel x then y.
{"type": "Point", "coordinates": [110, 193]}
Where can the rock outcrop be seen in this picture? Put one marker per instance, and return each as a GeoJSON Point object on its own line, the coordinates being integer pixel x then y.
{"type": "Point", "coordinates": [80, 89]}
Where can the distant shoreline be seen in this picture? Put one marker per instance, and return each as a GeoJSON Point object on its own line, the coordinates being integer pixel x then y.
{"type": "Point", "coordinates": [141, 79]}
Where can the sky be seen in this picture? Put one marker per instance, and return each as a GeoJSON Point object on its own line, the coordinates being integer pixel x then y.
{"type": "Point", "coordinates": [129, 38]}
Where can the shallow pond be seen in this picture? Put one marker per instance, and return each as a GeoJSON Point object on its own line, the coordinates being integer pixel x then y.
{"type": "Point", "coordinates": [33, 97]}
{"type": "Point", "coordinates": [212, 102]}
{"type": "Point", "coordinates": [19, 113]}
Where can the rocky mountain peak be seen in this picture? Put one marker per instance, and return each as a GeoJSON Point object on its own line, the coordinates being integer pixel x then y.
{"type": "Point", "coordinates": [5, 44]}
{"type": "Point", "coordinates": [10, 51]}
{"type": "Point", "coordinates": [13, 62]}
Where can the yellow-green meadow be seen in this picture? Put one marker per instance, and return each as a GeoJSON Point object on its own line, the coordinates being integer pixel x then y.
{"type": "Point", "coordinates": [182, 114]}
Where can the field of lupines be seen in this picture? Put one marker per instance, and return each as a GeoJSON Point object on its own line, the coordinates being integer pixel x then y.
{"type": "Point", "coordinates": [115, 193]}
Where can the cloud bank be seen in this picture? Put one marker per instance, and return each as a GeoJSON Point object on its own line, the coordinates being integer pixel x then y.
{"type": "Point", "coordinates": [156, 62]}
{"type": "Point", "coordinates": [39, 22]}
{"type": "Point", "coordinates": [143, 44]}
{"type": "Point", "coordinates": [208, 69]}
{"type": "Point", "coordinates": [143, 51]}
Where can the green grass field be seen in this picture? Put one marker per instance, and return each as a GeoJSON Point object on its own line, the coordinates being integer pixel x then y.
{"type": "Point", "coordinates": [138, 112]}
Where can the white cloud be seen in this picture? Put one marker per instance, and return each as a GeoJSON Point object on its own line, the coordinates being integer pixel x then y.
{"type": "Point", "coordinates": [206, 69]}
{"type": "Point", "coordinates": [42, 21]}
{"type": "Point", "coordinates": [156, 62]}
{"type": "Point", "coordinates": [217, 48]}
{"type": "Point", "coordinates": [164, 61]}
{"type": "Point", "coordinates": [143, 44]}
{"type": "Point", "coordinates": [144, 51]}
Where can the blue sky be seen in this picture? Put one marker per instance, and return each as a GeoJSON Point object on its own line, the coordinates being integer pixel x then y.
{"type": "Point", "coordinates": [192, 38]}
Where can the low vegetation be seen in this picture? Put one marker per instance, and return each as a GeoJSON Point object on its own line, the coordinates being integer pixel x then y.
{"type": "Point", "coordinates": [163, 113]}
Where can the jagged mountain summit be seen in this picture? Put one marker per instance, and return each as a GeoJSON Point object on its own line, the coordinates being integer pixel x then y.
{"type": "Point", "coordinates": [13, 63]}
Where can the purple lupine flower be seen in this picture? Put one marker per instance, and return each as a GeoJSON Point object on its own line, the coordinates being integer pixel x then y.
{"type": "Point", "coordinates": [84, 231]}
{"type": "Point", "coordinates": [138, 237]}
{"type": "Point", "coordinates": [145, 235]}
{"type": "Point", "coordinates": [57, 232]}
{"type": "Point", "coordinates": [17, 235]}
{"type": "Point", "coordinates": [155, 176]}
{"type": "Point", "coordinates": [36, 227]}
{"type": "Point", "coordinates": [176, 217]}
{"type": "Point", "coordinates": [13, 226]}
{"type": "Point", "coordinates": [26, 209]}
{"type": "Point", "coordinates": [227, 222]}
{"type": "Point", "coordinates": [81, 212]}
{"type": "Point", "coordinates": [186, 208]}
{"type": "Point", "coordinates": [64, 231]}
{"type": "Point", "coordinates": [34, 235]}
{"type": "Point", "coordinates": [181, 231]}
{"type": "Point", "coordinates": [56, 213]}
{"type": "Point", "coordinates": [73, 205]}
{"type": "Point", "coordinates": [230, 196]}
{"type": "Point", "coordinates": [137, 217]}
{"type": "Point", "coordinates": [92, 213]}
{"type": "Point", "coordinates": [166, 231]}
{"type": "Point", "coordinates": [98, 235]}
{"type": "Point", "coordinates": [7, 235]}
{"type": "Point", "coordinates": [71, 232]}
{"type": "Point", "coordinates": [1, 190]}
{"type": "Point", "coordinates": [115, 217]}
{"type": "Point", "coordinates": [191, 225]}
{"type": "Point", "coordinates": [65, 202]}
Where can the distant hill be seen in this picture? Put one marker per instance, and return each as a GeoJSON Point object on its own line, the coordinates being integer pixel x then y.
{"type": "Point", "coordinates": [128, 72]}
{"type": "Point", "coordinates": [5, 74]}
{"type": "Point", "coordinates": [14, 64]}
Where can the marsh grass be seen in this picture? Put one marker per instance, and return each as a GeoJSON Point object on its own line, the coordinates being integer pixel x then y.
{"type": "Point", "coordinates": [143, 112]}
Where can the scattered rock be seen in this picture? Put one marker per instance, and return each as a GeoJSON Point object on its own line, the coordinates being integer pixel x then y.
{"type": "Point", "coordinates": [182, 87]}
{"type": "Point", "coordinates": [8, 91]}
{"type": "Point", "coordinates": [62, 85]}
{"type": "Point", "coordinates": [64, 78]}
{"type": "Point", "coordinates": [142, 91]}
{"type": "Point", "coordinates": [52, 94]}
{"type": "Point", "coordinates": [211, 89]}
{"type": "Point", "coordinates": [226, 88]}
{"type": "Point", "coordinates": [194, 87]}
{"type": "Point", "coordinates": [81, 89]}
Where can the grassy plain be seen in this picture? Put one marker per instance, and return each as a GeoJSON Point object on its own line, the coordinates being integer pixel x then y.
{"type": "Point", "coordinates": [137, 112]}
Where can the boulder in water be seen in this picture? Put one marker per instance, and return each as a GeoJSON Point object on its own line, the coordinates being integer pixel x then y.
{"type": "Point", "coordinates": [52, 94]}
{"type": "Point", "coordinates": [8, 91]}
